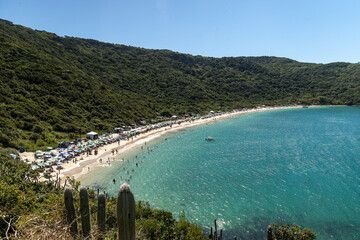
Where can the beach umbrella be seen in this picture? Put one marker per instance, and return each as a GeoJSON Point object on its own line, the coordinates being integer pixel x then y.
{"type": "Point", "coordinates": [49, 148]}
{"type": "Point", "coordinates": [59, 163]}
{"type": "Point", "coordinates": [33, 167]}
{"type": "Point", "coordinates": [38, 151]}
{"type": "Point", "coordinates": [39, 160]}
{"type": "Point", "coordinates": [47, 153]}
{"type": "Point", "coordinates": [41, 164]}
{"type": "Point", "coordinates": [47, 156]}
{"type": "Point", "coordinates": [56, 154]}
{"type": "Point", "coordinates": [39, 154]}
{"type": "Point", "coordinates": [61, 149]}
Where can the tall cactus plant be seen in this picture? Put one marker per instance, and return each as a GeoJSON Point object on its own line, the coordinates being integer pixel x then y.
{"type": "Point", "coordinates": [85, 212]}
{"type": "Point", "coordinates": [70, 212]}
{"type": "Point", "coordinates": [125, 209]}
{"type": "Point", "coordinates": [269, 233]}
{"type": "Point", "coordinates": [101, 215]}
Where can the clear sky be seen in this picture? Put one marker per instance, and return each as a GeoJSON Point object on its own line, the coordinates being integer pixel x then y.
{"type": "Point", "coordinates": [319, 31]}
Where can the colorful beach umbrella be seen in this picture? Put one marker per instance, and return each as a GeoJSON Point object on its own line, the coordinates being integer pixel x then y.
{"type": "Point", "coordinates": [33, 167]}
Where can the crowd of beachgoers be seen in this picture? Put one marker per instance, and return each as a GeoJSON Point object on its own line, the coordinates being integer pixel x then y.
{"type": "Point", "coordinates": [72, 152]}
{"type": "Point", "coordinates": [81, 153]}
{"type": "Point", "coordinates": [51, 159]}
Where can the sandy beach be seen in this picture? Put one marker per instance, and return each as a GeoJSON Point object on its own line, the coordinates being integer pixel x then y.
{"type": "Point", "coordinates": [91, 162]}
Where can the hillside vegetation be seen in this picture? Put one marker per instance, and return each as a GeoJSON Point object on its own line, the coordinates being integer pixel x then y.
{"type": "Point", "coordinates": [52, 86]}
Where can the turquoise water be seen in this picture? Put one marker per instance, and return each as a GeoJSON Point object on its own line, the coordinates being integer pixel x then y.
{"type": "Point", "coordinates": [296, 166]}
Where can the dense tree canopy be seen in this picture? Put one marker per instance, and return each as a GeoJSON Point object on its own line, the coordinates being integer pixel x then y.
{"type": "Point", "coordinates": [51, 86]}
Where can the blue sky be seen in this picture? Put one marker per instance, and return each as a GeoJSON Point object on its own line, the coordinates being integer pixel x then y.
{"type": "Point", "coordinates": [319, 31]}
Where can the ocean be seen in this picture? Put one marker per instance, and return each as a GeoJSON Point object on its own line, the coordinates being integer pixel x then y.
{"type": "Point", "coordinates": [294, 166]}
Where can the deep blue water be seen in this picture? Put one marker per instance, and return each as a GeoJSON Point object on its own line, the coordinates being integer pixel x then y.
{"type": "Point", "coordinates": [295, 166]}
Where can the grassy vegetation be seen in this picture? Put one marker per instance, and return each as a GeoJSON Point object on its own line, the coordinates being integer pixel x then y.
{"type": "Point", "coordinates": [55, 87]}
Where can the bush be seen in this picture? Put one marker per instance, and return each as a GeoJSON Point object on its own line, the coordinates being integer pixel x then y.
{"type": "Point", "coordinates": [285, 232]}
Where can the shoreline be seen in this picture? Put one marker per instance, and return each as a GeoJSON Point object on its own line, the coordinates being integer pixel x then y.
{"type": "Point", "coordinates": [92, 162]}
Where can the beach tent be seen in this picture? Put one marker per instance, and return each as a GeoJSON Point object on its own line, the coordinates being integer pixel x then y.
{"type": "Point", "coordinates": [174, 117]}
{"type": "Point", "coordinates": [92, 135]}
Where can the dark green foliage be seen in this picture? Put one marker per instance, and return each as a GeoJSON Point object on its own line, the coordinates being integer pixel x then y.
{"type": "Point", "coordinates": [285, 232]}
{"type": "Point", "coordinates": [159, 224]}
{"type": "Point", "coordinates": [51, 86]}
{"type": "Point", "coordinates": [27, 206]}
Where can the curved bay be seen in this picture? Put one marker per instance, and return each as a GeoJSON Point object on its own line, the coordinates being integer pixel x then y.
{"type": "Point", "coordinates": [297, 166]}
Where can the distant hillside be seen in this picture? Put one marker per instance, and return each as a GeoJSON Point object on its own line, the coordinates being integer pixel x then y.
{"type": "Point", "coordinates": [51, 86]}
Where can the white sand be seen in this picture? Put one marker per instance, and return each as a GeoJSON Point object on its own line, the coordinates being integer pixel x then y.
{"type": "Point", "coordinates": [91, 162]}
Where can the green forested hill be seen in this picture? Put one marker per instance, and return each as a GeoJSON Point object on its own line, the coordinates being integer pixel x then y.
{"type": "Point", "coordinates": [51, 86]}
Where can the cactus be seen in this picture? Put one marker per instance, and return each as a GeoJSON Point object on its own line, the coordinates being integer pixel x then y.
{"type": "Point", "coordinates": [269, 233]}
{"type": "Point", "coordinates": [101, 215]}
{"type": "Point", "coordinates": [85, 212]}
{"type": "Point", "coordinates": [70, 212]}
{"type": "Point", "coordinates": [211, 233]}
{"type": "Point", "coordinates": [215, 231]}
{"type": "Point", "coordinates": [125, 209]}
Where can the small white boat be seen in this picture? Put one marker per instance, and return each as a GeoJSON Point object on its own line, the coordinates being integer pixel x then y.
{"type": "Point", "coordinates": [209, 139]}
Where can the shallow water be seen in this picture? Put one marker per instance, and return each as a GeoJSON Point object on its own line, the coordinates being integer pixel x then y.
{"type": "Point", "coordinates": [295, 166]}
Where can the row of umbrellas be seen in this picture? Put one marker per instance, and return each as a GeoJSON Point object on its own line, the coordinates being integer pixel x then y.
{"type": "Point", "coordinates": [56, 156]}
